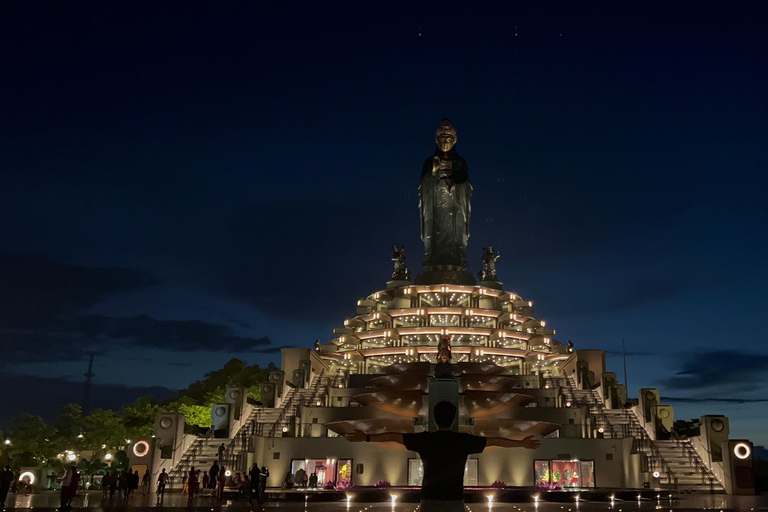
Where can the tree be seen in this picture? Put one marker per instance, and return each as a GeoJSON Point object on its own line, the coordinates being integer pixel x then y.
{"type": "Point", "coordinates": [69, 424]}
{"type": "Point", "coordinates": [104, 428]}
{"type": "Point", "coordinates": [31, 441]}
{"type": "Point", "coordinates": [139, 417]}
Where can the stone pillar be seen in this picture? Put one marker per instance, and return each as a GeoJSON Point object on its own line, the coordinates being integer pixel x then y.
{"type": "Point", "coordinates": [443, 390]}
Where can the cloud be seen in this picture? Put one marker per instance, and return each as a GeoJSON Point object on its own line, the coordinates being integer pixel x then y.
{"type": "Point", "coordinates": [36, 291]}
{"type": "Point", "coordinates": [175, 335]}
{"type": "Point", "coordinates": [74, 338]}
{"type": "Point", "coordinates": [714, 400]}
{"type": "Point", "coordinates": [44, 396]}
{"type": "Point", "coordinates": [717, 369]}
{"type": "Point", "coordinates": [629, 353]}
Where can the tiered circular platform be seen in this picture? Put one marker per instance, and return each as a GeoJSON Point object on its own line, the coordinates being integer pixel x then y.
{"type": "Point", "coordinates": [404, 325]}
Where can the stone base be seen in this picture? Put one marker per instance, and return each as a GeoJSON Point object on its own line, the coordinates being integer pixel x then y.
{"type": "Point", "coordinates": [397, 283]}
{"type": "Point", "coordinates": [496, 285]}
{"type": "Point", "coordinates": [447, 274]}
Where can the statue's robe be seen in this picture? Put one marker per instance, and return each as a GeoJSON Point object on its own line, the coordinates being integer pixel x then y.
{"type": "Point", "coordinates": [445, 216]}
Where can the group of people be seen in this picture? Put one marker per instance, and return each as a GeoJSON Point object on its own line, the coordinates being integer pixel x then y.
{"type": "Point", "coordinates": [300, 479]}
{"type": "Point", "coordinates": [125, 482]}
{"type": "Point", "coordinates": [253, 484]}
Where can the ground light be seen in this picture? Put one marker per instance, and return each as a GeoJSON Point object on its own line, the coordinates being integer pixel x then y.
{"type": "Point", "coordinates": [393, 497]}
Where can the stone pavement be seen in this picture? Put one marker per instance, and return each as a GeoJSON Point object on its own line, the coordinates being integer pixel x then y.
{"type": "Point", "coordinates": [93, 501]}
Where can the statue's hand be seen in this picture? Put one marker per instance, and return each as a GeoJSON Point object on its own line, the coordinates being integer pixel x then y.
{"type": "Point", "coordinates": [356, 437]}
{"type": "Point", "coordinates": [435, 164]}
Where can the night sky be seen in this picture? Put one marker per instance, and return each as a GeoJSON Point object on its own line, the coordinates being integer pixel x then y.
{"type": "Point", "coordinates": [185, 183]}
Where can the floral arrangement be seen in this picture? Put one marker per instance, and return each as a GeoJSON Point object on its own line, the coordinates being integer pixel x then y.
{"type": "Point", "coordinates": [549, 486]}
{"type": "Point", "coordinates": [382, 484]}
{"type": "Point", "coordinates": [329, 485]}
{"type": "Point", "coordinates": [344, 485]}
{"type": "Point", "coordinates": [498, 484]}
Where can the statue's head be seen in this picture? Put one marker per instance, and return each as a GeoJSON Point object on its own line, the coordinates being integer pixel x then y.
{"type": "Point", "coordinates": [445, 136]}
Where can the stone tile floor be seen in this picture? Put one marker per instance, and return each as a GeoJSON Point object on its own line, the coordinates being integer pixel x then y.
{"type": "Point", "coordinates": [93, 500]}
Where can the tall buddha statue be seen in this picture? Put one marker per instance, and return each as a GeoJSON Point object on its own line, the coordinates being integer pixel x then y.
{"type": "Point", "coordinates": [445, 193]}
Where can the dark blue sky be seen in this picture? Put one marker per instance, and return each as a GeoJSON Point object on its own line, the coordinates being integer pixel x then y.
{"type": "Point", "coordinates": [185, 184]}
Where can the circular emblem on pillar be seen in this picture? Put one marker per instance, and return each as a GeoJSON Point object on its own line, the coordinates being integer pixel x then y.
{"type": "Point", "coordinates": [718, 425]}
{"type": "Point", "coordinates": [166, 422]}
{"type": "Point", "coordinates": [742, 450]}
{"type": "Point", "coordinates": [141, 448]}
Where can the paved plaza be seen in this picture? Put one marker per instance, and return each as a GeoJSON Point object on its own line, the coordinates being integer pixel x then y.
{"type": "Point", "coordinates": [93, 500]}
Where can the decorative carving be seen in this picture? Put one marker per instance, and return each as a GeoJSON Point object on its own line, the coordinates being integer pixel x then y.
{"type": "Point", "coordinates": [401, 272]}
{"type": "Point", "coordinates": [489, 264]}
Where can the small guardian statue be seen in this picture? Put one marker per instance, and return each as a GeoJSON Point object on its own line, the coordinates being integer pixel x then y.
{"type": "Point", "coordinates": [401, 272]}
{"type": "Point", "coordinates": [489, 264]}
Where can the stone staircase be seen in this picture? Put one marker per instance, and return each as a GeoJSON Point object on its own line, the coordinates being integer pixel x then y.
{"type": "Point", "coordinates": [269, 422]}
{"type": "Point", "coordinates": [677, 463]}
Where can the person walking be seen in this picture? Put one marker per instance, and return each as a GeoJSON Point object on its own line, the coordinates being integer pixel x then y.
{"type": "Point", "coordinates": [162, 480]}
{"type": "Point", "coordinates": [105, 482]}
{"type": "Point", "coordinates": [444, 454]}
{"type": "Point", "coordinates": [221, 451]}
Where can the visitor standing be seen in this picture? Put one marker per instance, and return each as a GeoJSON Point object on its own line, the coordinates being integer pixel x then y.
{"type": "Point", "coordinates": [263, 484]}
{"type": "Point", "coordinates": [145, 482]}
{"type": "Point", "coordinates": [192, 483]}
{"type": "Point", "coordinates": [221, 451]}
{"type": "Point", "coordinates": [214, 472]}
{"type": "Point", "coordinates": [444, 455]}
{"type": "Point", "coordinates": [6, 478]}
{"type": "Point", "coordinates": [221, 482]}
{"type": "Point", "coordinates": [66, 495]}
{"type": "Point", "coordinates": [255, 475]}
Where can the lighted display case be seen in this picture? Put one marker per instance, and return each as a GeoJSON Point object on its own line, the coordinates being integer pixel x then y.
{"type": "Point", "coordinates": [334, 470]}
{"type": "Point", "coordinates": [573, 474]}
{"type": "Point", "coordinates": [416, 473]}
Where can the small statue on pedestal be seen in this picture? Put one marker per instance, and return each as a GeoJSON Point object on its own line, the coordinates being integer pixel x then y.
{"type": "Point", "coordinates": [489, 264]}
{"type": "Point", "coordinates": [443, 368]}
{"type": "Point", "coordinates": [401, 273]}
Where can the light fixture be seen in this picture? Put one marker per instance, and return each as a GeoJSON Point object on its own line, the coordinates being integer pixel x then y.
{"type": "Point", "coordinates": [141, 448]}
{"type": "Point", "coordinates": [742, 450]}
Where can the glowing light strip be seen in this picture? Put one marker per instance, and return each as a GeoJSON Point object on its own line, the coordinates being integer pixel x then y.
{"type": "Point", "coordinates": [428, 310]}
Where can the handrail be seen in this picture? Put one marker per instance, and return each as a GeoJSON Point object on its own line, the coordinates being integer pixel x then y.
{"type": "Point", "coordinates": [655, 458]}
